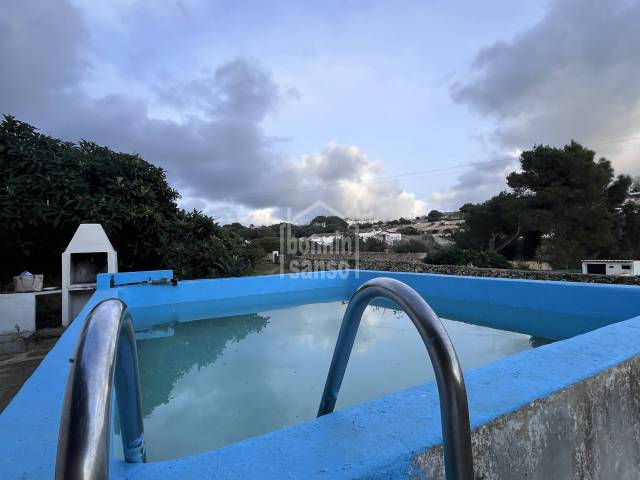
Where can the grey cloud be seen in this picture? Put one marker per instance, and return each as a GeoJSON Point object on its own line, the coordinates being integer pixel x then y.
{"type": "Point", "coordinates": [212, 156]}
{"type": "Point", "coordinates": [214, 149]}
{"type": "Point", "coordinates": [477, 184]}
{"type": "Point", "coordinates": [35, 60]}
{"type": "Point", "coordinates": [576, 42]}
{"type": "Point", "coordinates": [573, 75]}
{"type": "Point", "coordinates": [240, 90]}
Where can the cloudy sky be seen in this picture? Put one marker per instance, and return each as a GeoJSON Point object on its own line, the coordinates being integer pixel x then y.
{"type": "Point", "coordinates": [375, 108]}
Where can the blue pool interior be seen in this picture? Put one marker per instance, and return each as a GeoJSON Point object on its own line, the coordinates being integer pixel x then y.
{"type": "Point", "coordinates": [374, 439]}
{"type": "Point", "coordinates": [265, 370]}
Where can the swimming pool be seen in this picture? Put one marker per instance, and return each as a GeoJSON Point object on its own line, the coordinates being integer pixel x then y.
{"type": "Point", "coordinates": [220, 380]}
{"type": "Point", "coordinates": [379, 438]}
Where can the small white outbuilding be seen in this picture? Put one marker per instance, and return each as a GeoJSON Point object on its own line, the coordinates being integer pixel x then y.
{"type": "Point", "coordinates": [611, 267]}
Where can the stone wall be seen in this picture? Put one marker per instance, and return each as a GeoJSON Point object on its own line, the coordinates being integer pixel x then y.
{"type": "Point", "coordinates": [589, 430]}
{"type": "Point", "coordinates": [398, 262]}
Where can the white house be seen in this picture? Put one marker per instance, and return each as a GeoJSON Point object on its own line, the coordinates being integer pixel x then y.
{"type": "Point", "coordinates": [324, 238]}
{"type": "Point", "coordinates": [634, 197]}
{"type": "Point", "coordinates": [391, 238]}
{"type": "Point", "coordinates": [387, 236]}
{"type": "Point", "coordinates": [611, 267]}
{"type": "Point", "coordinates": [370, 234]}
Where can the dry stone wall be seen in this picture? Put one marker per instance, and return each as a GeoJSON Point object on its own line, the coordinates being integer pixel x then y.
{"type": "Point", "coordinates": [397, 262]}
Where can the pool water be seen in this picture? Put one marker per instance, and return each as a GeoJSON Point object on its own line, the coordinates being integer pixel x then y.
{"type": "Point", "coordinates": [208, 383]}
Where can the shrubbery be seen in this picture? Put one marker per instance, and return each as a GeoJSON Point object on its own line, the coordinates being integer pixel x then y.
{"type": "Point", "coordinates": [48, 187]}
{"type": "Point", "coordinates": [459, 256]}
{"type": "Point", "coordinates": [412, 246]}
{"type": "Point", "coordinates": [409, 230]}
{"type": "Point", "coordinates": [268, 244]}
{"type": "Point", "coordinates": [372, 244]}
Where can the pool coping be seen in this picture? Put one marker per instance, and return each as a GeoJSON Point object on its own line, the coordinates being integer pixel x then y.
{"type": "Point", "coordinates": [348, 443]}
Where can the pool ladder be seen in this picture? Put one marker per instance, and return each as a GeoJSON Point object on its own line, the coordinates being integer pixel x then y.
{"type": "Point", "coordinates": [106, 355]}
{"type": "Point", "coordinates": [454, 412]}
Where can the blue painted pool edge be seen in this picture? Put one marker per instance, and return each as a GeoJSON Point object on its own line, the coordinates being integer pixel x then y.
{"type": "Point", "coordinates": [379, 439]}
{"type": "Point", "coordinates": [374, 440]}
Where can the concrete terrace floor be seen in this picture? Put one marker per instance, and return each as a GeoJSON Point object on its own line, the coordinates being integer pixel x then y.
{"type": "Point", "coordinates": [16, 368]}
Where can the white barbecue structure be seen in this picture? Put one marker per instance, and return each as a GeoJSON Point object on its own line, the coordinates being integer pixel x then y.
{"type": "Point", "coordinates": [90, 252]}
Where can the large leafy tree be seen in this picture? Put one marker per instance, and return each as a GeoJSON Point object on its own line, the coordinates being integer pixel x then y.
{"type": "Point", "coordinates": [629, 231]}
{"type": "Point", "coordinates": [562, 200]}
{"type": "Point", "coordinates": [434, 215]}
{"type": "Point", "coordinates": [49, 186]}
{"type": "Point", "coordinates": [499, 224]}
{"type": "Point", "coordinates": [571, 197]}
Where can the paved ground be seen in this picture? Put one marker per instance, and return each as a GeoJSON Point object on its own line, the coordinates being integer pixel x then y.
{"type": "Point", "coordinates": [16, 368]}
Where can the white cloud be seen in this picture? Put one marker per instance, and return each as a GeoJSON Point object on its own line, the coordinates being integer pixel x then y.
{"type": "Point", "coordinates": [263, 216]}
{"type": "Point", "coordinates": [573, 75]}
{"type": "Point", "coordinates": [340, 176]}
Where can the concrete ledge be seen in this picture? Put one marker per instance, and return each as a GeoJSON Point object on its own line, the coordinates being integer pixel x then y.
{"type": "Point", "coordinates": [588, 430]}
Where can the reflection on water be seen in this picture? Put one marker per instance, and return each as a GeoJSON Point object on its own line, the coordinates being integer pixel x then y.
{"type": "Point", "coordinates": [212, 382]}
{"type": "Point", "coordinates": [166, 359]}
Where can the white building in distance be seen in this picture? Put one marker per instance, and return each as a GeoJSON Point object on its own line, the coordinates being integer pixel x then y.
{"type": "Point", "coordinates": [611, 267]}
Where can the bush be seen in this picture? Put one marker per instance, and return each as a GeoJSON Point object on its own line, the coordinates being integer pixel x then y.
{"type": "Point", "coordinates": [410, 230]}
{"type": "Point", "coordinates": [372, 244]}
{"type": "Point", "coordinates": [268, 244]}
{"type": "Point", "coordinates": [459, 256]}
{"type": "Point", "coordinates": [412, 246]}
{"type": "Point", "coordinates": [434, 216]}
{"type": "Point", "coordinates": [199, 248]}
{"type": "Point", "coordinates": [48, 187]}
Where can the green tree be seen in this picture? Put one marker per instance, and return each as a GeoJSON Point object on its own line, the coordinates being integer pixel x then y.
{"type": "Point", "coordinates": [372, 244]}
{"type": "Point", "coordinates": [329, 224]}
{"type": "Point", "coordinates": [409, 230]}
{"type": "Point", "coordinates": [49, 186]}
{"type": "Point", "coordinates": [570, 197]}
{"type": "Point", "coordinates": [413, 246]}
{"type": "Point", "coordinates": [434, 215]}
{"type": "Point", "coordinates": [496, 225]}
{"type": "Point", "coordinates": [268, 244]}
{"type": "Point", "coordinates": [459, 256]}
{"type": "Point", "coordinates": [629, 231]}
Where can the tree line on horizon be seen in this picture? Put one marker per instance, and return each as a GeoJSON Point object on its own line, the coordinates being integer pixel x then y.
{"type": "Point", "coordinates": [563, 205]}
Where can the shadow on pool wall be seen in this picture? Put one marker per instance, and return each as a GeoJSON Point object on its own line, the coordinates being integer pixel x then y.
{"type": "Point", "coordinates": [586, 386]}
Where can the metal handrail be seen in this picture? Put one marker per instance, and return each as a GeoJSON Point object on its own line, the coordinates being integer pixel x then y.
{"type": "Point", "coordinates": [106, 355]}
{"type": "Point", "coordinates": [454, 411]}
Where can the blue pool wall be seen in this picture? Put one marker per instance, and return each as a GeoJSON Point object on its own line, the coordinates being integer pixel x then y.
{"type": "Point", "coordinates": [553, 310]}
{"type": "Point", "coordinates": [377, 439]}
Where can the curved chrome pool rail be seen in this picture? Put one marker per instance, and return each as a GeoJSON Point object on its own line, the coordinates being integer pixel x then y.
{"type": "Point", "coordinates": [106, 355]}
{"type": "Point", "coordinates": [454, 410]}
